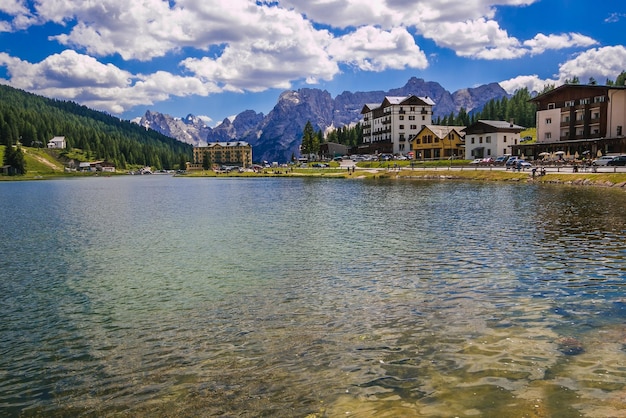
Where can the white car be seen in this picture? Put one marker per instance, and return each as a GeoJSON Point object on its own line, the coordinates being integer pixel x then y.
{"type": "Point", "coordinates": [603, 160]}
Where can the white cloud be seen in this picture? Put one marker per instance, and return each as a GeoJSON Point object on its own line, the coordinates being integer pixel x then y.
{"type": "Point", "coordinates": [289, 49]}
{"type": "Point", "coordinates": [249, 45]}
{"type": "Point", "coordinates": [540, 43]}
{"type": "Point", "coordinates": [599, 63]}
{"type": "Point", "coordinates": [372, 49]}
{"type": "Point", "coordinates": [479, 38]}
{"type": "Point", "coordinates": [531, 82]}
{"type": "Point", "coordinates": [72, 76]}
{"type": "Point", "coordinates": [18, 9]}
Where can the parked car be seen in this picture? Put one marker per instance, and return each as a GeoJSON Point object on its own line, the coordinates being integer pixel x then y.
{"type": "Point", "coordinates": [523, 164]}
{"type": "Point", "coordinates": [486, 161]}
{"type": "Point", "coordinates": [501, 160]}
{"type": "Point", "coordinates": [476, 161]}
{"type": "Point", "coordinates": [604, 160]}
{"type": "Point", "coordinates": [618, 161]}
{"type": "Point", "coordinates": [511, 162]}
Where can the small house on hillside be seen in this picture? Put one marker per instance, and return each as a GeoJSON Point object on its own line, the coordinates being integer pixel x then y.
{"type": "Point", "coordinates": [58, 142]}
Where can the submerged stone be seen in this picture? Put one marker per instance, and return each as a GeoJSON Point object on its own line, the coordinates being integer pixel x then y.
{"type": "Point", "coordinates": [570, 346]}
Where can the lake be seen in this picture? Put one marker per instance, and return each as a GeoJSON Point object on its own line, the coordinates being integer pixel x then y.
{"type": "Point", "coordinates": [295, 297]}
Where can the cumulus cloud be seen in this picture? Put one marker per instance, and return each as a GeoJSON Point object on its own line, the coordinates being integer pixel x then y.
{"type": "Point", "coordinates": [21, 14]}
{"type": "Point", "coordinates": [599, 63]}
{"type": "Point", "coordinates": [77, 77]}
{"type": "Point", "coordinates": [531, 82]}
{"type": "Point", "coordinates": [249, 45]}
{"type": "Point", "coordinates": [540, 43]}
{"type": "Point", "coordinates": [372, 49]}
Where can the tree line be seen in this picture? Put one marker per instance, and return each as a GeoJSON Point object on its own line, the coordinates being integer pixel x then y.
{"type": "Point", "coordinates": [33, 120]}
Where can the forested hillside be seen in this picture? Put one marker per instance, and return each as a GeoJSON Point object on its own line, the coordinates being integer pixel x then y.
{"type": "Point", "coordinates": [517, 108]}
{"type": "Point", "coordinates": [33, 120]}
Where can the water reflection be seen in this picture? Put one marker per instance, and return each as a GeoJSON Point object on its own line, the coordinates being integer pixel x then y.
{"type": "Point", "coordinates": [289, 297]}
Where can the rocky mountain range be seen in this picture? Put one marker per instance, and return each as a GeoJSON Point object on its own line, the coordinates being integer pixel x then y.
{"type": "Point", "coordinates": [277, 135]}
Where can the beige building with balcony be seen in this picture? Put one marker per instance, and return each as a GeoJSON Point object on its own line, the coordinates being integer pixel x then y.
{"type": "Point", "coordinates": [577, 118]}
{"type": "Point", "coordinates": [235, 153]}
{"type": "Point", "coordinates": [389, 126]}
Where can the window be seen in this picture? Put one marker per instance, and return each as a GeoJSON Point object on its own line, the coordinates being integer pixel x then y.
{"type": "Point", "coordinates": [569, 103]}
{"type": "Point", "coordinates": [548, 121]}
{"type": "Point", "coordinates": [548, 135]}
{"type": "Point", "coordinates": [585, 101]}
{"type": "Point", "coordinates": [598, 99]}
{"type": "Point", "coordinates": [505, 139]}
{"type": "Point", "coordinates": [401, 126]}
{"type": "Point", "coordinates": [619, 130]}
{"type": "Point", "coordinates": [551, 105]}
{"type": "Point", "coordinates": [596, 115]}
{"type": "Point", "coordinates": [411, 117]}
{"type": "Point", "coordinates": [423, 117]}
{"type": "Point", "coordinates": [412, 108]}
{"type": "Point", "coordinates": [488, 140]}
{"type": "Point", "coordinates": [472, 140]}
{"type": "Point", "coordinates": [401, 117]}
{"type": "Point", "coordinates": [413, 126]}
{"type": "Point", "coordinates": [480, 139]}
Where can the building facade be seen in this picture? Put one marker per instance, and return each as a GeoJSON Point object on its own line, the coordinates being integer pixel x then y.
{"type": "Point", "coordinates": [236, 153]}
{"type": "Point", "coordinates": [575, 112]}
{"type": "Point", "coordinates": [437, 142]}
{"type": "Point", "coordinates": [577, 118]}
{"type": "Point", "coordinates": [389, 126]}
{"type": "Point", "coordinates": [491, 138]}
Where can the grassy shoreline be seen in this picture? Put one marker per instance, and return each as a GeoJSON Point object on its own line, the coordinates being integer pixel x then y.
{"type": "Point", "coordinates": [41, 165]}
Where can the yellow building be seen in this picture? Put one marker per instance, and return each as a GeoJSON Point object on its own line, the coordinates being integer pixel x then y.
{"type": "Point", "coordinates": [235, 153]}
{"type": "Point", "coordinates": [437, 142]}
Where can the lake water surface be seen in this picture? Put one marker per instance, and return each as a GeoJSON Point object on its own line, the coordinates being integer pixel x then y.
{"type": "Point", "coordinates": [162, 296]}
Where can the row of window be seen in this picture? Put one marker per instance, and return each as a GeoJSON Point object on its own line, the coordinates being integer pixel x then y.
{"type": "Point", "coordinates": [580, 116]}
{"type": "Point", "coordinates": [585, 101]}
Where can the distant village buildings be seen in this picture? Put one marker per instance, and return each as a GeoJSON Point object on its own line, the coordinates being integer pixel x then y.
{"type": "Point", "coordinates": [572, 118]}
{"type": "Point", "coordinates": [234, 153]}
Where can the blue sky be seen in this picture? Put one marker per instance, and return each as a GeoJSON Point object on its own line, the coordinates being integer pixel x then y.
{"type": "Point", "coordinates": [216, 58]}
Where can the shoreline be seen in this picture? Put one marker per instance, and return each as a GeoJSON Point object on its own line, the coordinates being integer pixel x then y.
{"type": "Point", "coordinates": [615, 180]}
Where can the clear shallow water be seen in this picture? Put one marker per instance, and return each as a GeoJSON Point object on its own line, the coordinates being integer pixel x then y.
{"type": "Point", "coordinates": [159, 296]}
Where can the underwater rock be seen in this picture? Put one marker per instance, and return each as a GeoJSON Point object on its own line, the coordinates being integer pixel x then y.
{"type": "Point", "coordinates": [570, 346]}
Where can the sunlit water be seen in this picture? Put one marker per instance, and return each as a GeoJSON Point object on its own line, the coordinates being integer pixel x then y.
{"type": "Point", "coordinates": [161, 296]}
